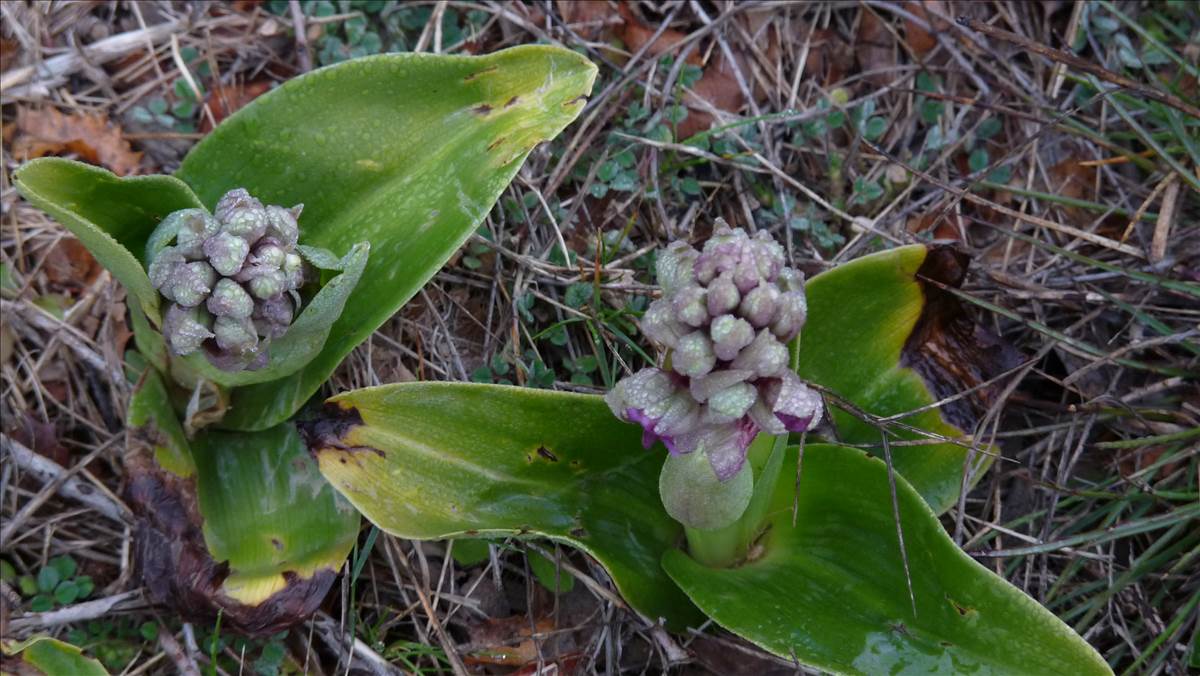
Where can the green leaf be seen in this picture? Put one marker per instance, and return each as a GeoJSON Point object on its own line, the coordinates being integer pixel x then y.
{"type": "Point", "coordinates": [888, 342]}
{"type": "Point", "coordinates": [48, 578]}
{"type": "Point", "coordinates": [977, 160]}
{"type": "Point", "coordinates": [468, 552]}
{"type": "Point", "coordinates": [66, 592]}
{"type": "Point", "coordinates": [549, 574]}
{"type": "Point", "coordinates": [874, 128]}
{"type": "Point", "coordinates": [268, 512]}
{"type": "Point", "coordinates": [308, 334]}
{"type": "Point", "coordinates": [440, 460]}
{"type": "Point", "coordinates": [112, 216]}
{"type": "Point", "coordinates": [65, 565]}
{"type": "Point", "coordinates": [405, 151]}
{"type": "Point", "coordinates": [152, 420]}
{"type": "Point", "coordinates": [51, 656]}
{"type": "Point", "coordinates": [250, 530]}
{"type": "Point", "coordinates": [832, 593]}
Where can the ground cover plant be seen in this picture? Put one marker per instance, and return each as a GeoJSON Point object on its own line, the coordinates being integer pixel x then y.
{"type": "Point", "coordinates": [1055, 219]}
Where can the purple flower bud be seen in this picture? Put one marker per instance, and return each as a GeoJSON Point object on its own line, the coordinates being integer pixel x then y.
{"type": "Point", "coordinates": [185, 329]}
{"type": "Point", "coordinates": [658, 402]}
{"type": "Point", "coordinates": [693, 355]}
{"type": "Point", "coordinates": [281, 224]}
{"type": "Point", "coordinates": [190, 283]}
{"type": "Point", "coordinates": [794, 404]}
{"type": "Point", "coordinates": [248, 223]}
{"type": "Point", "coordinates": [729, 335]}
{"type": "Point", "coordinates": [269, 284]}
{"type": "Point", "coordinates": [703, 387]}
{"type": "Point", "coordinates": [729, 404]}
{"type": "Point", "coordinates": [659, 324]}
{"type": "Point", "coordinates": [758, 307]}
{"type": "Point", "coordinates": [790, 280]}
{"type": "Point", "coordinates": [235, 335]}
{"type": "Point", "coordinates": [766, 356]}
{"type": "Point", "coordinates": [275, 315]}
{"type": "Point", "coordinates": [723, 296]}
{"type": "Point", "coordinates": [195, 227]}
{"type": "Point", "coordinates": [674, 266]}
{"type": "Point", "coordinates": [793, 310]}
{"type": "Point", "coordinates": [229, 299]}
{"type": "Point", "coordinates": [233, 200]}
{"type": "Point", "coordinates": [725, 446]}
{"type": "Point", "coordinates": [163, 268]}
{"type": "Point", "coordinates": [293, 271]}
{"type": "Point", "coordinates": [226, 252]}
{"type": "Point", "coordinates": [269, 254]}
{"type": "Point", "coordinates": [722, 316]}
{"type": "Point", "coordinates": [690, 307]}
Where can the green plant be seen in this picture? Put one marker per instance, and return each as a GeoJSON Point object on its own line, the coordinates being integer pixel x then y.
{"type": "Point", "coordinates": [56, 584]}
{"type": "Point", "coordinates": [242, 308]}
{"type": "Point", "coordinates": [180, 113]}
{"type": "Point", "coordinates": [828, 554]}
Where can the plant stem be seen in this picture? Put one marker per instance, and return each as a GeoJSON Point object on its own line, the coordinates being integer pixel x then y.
{"type": "Point", "coordinates": [715, 548]}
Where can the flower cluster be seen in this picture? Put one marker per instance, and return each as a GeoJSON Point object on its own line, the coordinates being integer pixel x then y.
{"type": "Point", "coordinates": [231, 276]}
{"type": "Point", "coordinates": [726, 316]}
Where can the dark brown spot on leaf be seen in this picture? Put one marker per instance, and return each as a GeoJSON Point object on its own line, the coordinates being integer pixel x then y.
{"type": "Point", "coordinates": [329, 430]}
{"type": "Point", "coordinates": [477, 73]}
{"type": "Point", "coordinates": [277, 544]}
{"type": "Point", "coordinates": [948, 349]}
{"type": "Point", "coordinates": [512, 102]}
{"type": "Point", "coordinates": [497, 142]}
{"type": "Point", "coordinates": [547, 454]}
{"type": "Point", "coordinates": [483, 109]}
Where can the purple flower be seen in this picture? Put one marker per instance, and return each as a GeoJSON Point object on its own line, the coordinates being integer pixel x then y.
{"type": "Point", "coordinates": [725, 317]}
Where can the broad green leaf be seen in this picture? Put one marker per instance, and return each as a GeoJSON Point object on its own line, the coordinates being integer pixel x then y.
{"type": "Point", "coordinates": [112, 216]}
{"type": "Point", "coordinates": [305, 337]}
{"type": "Point", "coordinates": [405, 151]}
{"type": "Point", "coordinates": [831, 591]}
{"type": "Point", "coordinates": [441, 460]}
{"type": "Point", "coordinates": [152, 418]}
{"type": "Point", "coordinates": [268, 512]}
{"type": "Point", "coordinates": [53, 657]}
{"type": "Point", "coordinates": [889, 343]}
{"type": "Point", "coordinates": [240, 524]}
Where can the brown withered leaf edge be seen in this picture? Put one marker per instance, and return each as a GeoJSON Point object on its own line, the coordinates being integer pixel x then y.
{"type": "Point", "coordinates": [175, 564]}
{"type": "Point", "coordinates": [948, 348]}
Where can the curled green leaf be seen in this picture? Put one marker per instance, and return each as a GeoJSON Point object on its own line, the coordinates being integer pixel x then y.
{"type": "Point", "coordinates": [112, 216]}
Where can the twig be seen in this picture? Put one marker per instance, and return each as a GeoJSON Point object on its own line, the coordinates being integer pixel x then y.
{"type": "Point", "coordinates": [49, 472]}
{"type": "Point", "coordinates": [54, 71]}
{"type": "Point", "coordinates": [81, 612]}
{"type": "Point", "coordinates": [1166, 215]}
{"type": "Point", "coordinates": [1013, 213]}
{"type": "Point", "coordinates": [302, 55]}
{"type": "Point", "coordinates": [183, 663]}
{"type": "Point", "coordinates": [1079, 64]}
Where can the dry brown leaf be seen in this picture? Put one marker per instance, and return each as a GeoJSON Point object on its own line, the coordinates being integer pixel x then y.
{"type": "Point", "coordinates": [919, 40]}
{"type": "Point", "coordinates": [876, 48]}
{"type": "Point", "coordinates": [635, 34]}
{"type": "Point", "coordinates": [225, 100]}
{"type": "Point", "coordinates": [69, 263]}
{"type": "Point", "coordinates": [591, 19]}
{"type": "Point", "coordinates": [505, 641]}
{"type": "Point", "coordinates": [89, 135]}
